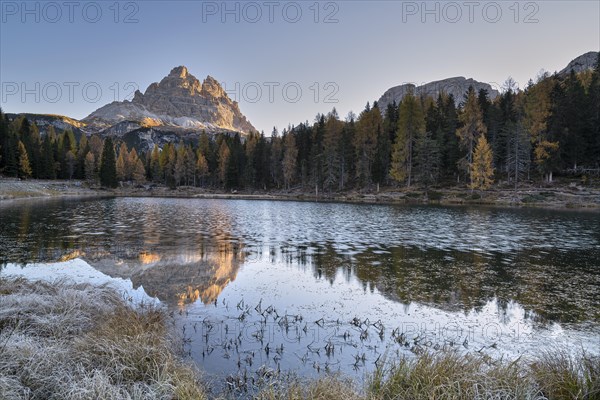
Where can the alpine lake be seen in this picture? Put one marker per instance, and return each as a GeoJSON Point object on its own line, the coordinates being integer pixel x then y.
{"type": "Point", "coordinates": [260, 287]}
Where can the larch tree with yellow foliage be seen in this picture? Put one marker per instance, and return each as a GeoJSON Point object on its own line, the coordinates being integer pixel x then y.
{"type": "Point", "coordinates": [538, 106]}
{"type": "Point", "coordinates": [472, 128]}
{"type": "Point", "coordinates": [24, 166]}
{"type": "Point", "coordinates": [482, 170]}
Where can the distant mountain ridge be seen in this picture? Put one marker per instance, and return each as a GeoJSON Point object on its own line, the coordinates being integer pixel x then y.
{"type": "Point", "coordinates": [582, 63]}
{"type": "Point", "coordinates": [180, 106]}
{"type": "Point", "coordinates": [457, 87]}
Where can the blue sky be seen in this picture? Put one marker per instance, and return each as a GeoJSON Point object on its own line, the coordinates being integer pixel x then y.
{"type": "Point", "coordinates": [72, 58]}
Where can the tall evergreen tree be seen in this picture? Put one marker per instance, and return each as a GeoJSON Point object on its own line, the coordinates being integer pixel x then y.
{"type": "Point", "coordinates": [331, 151]}
{"type": "Point", "coordinates": [108, 168]}
{"type": "Point", "coordinates": [290, 156]}
{"type": "Point", "coordinates": [472, 128]}
{"type": "Point", "coordinates": [90, 167]}
{"type": "Point", "coordinates": [48, 165]}
{"type": "Point", "coordinates": [10, 150]}
{"type": "Point", "coordinates": [428, 160]}
{"type": "Point", "coordinates": [224, 159]}
{"type": "Point", "coordinates": [155, 170]}
{"type": "Point", "coordinates": [537, 111]}
{"type": "Point", "coordinates": [411, 125]}
{"type": "Point", "coordinates": [201, 167]}
{"type": "Point", "coordinates": [518, 159]}
{"type": "Point", "coordinates": [368, 127]}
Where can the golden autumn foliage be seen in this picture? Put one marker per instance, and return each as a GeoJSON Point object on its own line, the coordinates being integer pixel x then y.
{"type": "Point", "coordinates": [482, 170]}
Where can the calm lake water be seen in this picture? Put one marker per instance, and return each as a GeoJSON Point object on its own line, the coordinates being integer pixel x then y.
{"type": "Point", "coordinates": [261, 286]}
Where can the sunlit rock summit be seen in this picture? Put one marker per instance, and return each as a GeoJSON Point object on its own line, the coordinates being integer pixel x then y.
{"type": "Point", "coordinates": [178, 101]}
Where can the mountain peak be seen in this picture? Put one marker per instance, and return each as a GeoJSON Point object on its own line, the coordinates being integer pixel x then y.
{"type": "Point", "coordinates": [179, 72]}
{"type": "Point", "coordinates": [178, 101]}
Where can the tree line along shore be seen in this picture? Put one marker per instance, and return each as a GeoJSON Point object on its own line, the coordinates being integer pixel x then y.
{"type": "Point", "coordinates": [521, 138]}
{"type": "Point", "coordinates": [559, 195]}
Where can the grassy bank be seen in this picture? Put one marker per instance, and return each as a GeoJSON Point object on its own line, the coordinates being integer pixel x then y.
{"type": "Point", "coordinates": [451, 376]}
{"type": "Point", "coordinates": [65, 341]}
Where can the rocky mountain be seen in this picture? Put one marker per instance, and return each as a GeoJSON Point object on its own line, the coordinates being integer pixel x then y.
{"type": "Point", "coordinates": [179, 101]}
{"type": "Point", "coordinates": [582, 63]}
{"type": "Point", "coordinates": [456, 86]}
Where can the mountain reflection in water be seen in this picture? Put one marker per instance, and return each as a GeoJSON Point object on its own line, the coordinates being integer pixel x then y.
{"type": "Point", "coordinates": [454, 259]}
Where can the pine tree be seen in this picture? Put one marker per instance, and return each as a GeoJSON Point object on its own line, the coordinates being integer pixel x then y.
{"type": "Point", "coordinates": [482, 171]}
{"type": "Point", "coordinates": [224, 156]}
{"type": "Point", "coordinates": [331, 151]}
{"type": "Point", "coordinates": [428, 160]}
{"type": "Point", "coordinates": [155, 171]}
{"type": "Point", "coordinates": [201, 167]}
{"type": "Point", "coordinates": [108, 168]}
{"type": "Point", "coordinates": [472, 128]}
{"type": "Point", "coordinates": [70, 161]}
{"type": "Point", "coordinates": [82, 151]}
{"type": "Point", "coordinates": [290, 155]}
{"type": "Point", "coordinates": [66, 142]}
{"type": "Point", "coordinates": [260, 160]}
{"type": "Point", "coordinates": [518, 159]}
{"type": "Point", "coordinates": [316, 151]}
{"type": "Point", "coordinates": [11, 154]}
{"type": "Point", "coordinates": [572, 135]}
{"type": "Point", "coordinates": [48, 164]}
{"type": "Point", "coordinates": [449, 143]}
{"type": "Point", "coordinates": [538, 108]}
{"type": "Point", "coordinates": [179, 171]}
{"type": "Point", "coordinates": [24, 166]}
{"type": "Point", "coordinates": [190, 166]}
{"type": "Point", "coordinates": [122, 167]}
{"type": "Point", "coordinates": [276, 161]}
{"type": "Point", "coordinates": [411, 125]}
{"type": "Point", "coordinates": [33, 144]}
{"type": "Point", "coordinates": [368, 127]}
{"type": "Point", "coordinates": [90, 167]}
{"type": "Point", "coordinates": [347, 150]}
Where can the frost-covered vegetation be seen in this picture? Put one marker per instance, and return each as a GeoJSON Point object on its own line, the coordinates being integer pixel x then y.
{"type": "Point", "coordinates": [75, 341]}
{"type": "Point", "coordinates": [66, 341]}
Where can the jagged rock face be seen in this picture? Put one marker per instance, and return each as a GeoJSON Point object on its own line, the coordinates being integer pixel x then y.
{"type": "Point", "coordinates": [179, 100]}
{"type": "Point", "coordinates": [455, 86]}
{"type": "Point", "coordinates": [582, 63]}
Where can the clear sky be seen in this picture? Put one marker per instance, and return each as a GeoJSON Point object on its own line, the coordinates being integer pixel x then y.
{"type": "Point", "coordinates": [72, 57]}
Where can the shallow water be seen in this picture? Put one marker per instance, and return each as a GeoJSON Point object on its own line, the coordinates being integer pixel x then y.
{"type": "Point", "coordinates": [315, 287]}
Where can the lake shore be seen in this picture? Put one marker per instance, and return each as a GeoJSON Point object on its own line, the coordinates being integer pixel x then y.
{"type": "Point", "coordinates": [76, 341]}
{"type": "Point", "coordinates": [554, 196]}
